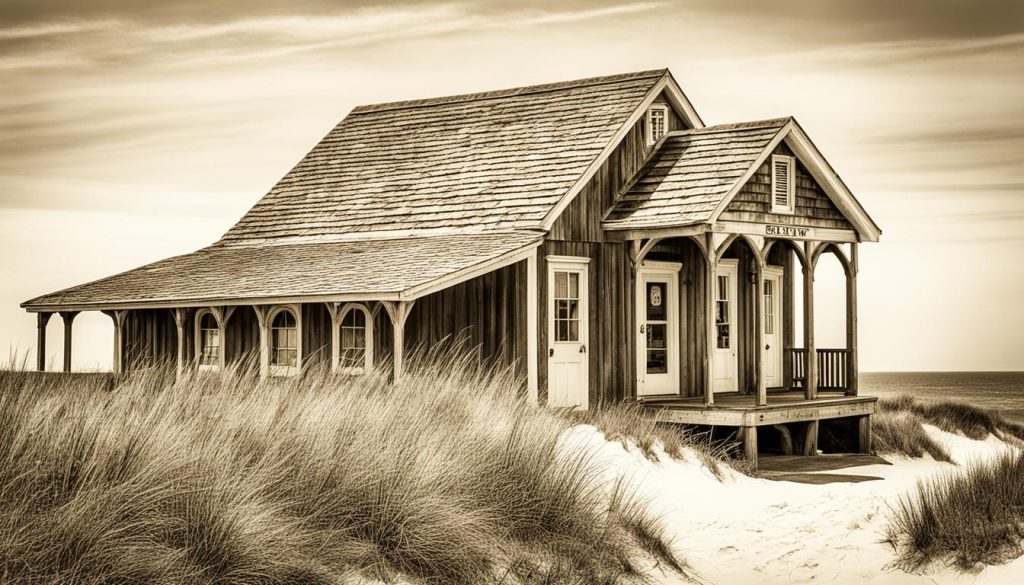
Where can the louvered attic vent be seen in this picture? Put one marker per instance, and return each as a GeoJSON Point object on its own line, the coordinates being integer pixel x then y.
{"type": "Point", "coordinates": [782, 184]}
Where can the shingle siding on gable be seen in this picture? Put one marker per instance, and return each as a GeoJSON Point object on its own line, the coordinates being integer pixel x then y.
{"type": "Point", "coordinates": [813, 207]}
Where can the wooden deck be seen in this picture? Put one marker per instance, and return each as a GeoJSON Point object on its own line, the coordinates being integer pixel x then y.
{"type": "Point", "coordinates": [739, 410]}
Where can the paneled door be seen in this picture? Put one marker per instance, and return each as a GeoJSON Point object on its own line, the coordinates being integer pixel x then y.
{"type": "Point", "coordinates": [772, 329]}
{"type": "Point", "coordinates": [725, 361]}
{"type": "Point", "coordinates": [657, 310]}
{"type": "Point", "coordinates": [568, 337]}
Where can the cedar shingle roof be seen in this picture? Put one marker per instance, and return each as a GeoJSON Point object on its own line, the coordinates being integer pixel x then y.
{"type": "Point", "coordinates": [217, 273]}
{"type": "Point", "coordinates": [690, 174]}
{"type": "Point", "coordinates": [496, 160]}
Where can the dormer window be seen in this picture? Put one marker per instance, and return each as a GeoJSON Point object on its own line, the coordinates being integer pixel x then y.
{"type": "Point", "coordinates": [657, 122]}
{"type": "Point", "coordinates": [783, 183]}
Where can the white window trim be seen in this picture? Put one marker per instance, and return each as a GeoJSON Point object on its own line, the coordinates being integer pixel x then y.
{"type": "Point", "coordinates": [650, 127]}
{"type": "Point", "coordinates": [283, 371]}
{"type": "Point", "coordinates": [368, 354]}
{"type": "Point", "coordinates": [791, 187]}
{"type": "Point", "coordinates": [198, 345]}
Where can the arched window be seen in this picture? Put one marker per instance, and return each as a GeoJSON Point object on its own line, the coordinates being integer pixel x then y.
{"type": "Point", "coordinates": [284, 340]}
{"type": "Point", "coordinates": [355, 355]}
{"type": "Point", "coordinates": [208, 341]}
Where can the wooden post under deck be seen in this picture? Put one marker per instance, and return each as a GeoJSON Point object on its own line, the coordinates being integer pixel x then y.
{"type": "Point", "coordinates": [709, 318]}
{"type": "Point", "coordinates": [41, 320]}
{"type": "Point", "coordinates": [68, 317]}
{"type": "Point", "coordinates": [864, 433]}
{"type": "Point", "coordinates": [398, 312]}
{"type": "Point", "coordinates": [748, 436]}
{"type": "Point", "coordinates": [851, 321]}
{"type": "Point", "coordinates": [811, 362]}
{"type": "Point", "coordinates": [759, 351]}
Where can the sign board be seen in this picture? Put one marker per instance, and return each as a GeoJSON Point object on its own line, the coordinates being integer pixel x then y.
{"type": "Point", "coordinates": [789, 231]}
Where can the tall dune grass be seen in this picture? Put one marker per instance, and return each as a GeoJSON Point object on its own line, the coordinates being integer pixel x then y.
{"type": "Point", "coordinates": [447, 477]}
{"type": "Point", "coordinates": [966, 519]}
{"type": "Point", "coordinates": [897, 425]}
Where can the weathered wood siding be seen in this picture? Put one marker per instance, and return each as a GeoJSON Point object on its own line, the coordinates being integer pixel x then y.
{"type": "Point", "coordinates": [813, 209]}
{"type": "Point", "coordinates": [241, 340]}
{"type": "Point", "coordinates": [150, 338]}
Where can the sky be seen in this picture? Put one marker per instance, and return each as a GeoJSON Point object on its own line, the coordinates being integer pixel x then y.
{"type": "Point", "coordinates": [131, 132]}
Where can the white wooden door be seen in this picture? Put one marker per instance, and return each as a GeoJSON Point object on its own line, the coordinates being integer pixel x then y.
{"type": "Point", "coordinates": [725, 360]}
{"type": "Point", "coordinates": [772, 331]}
{"type": "Point", "coordinates": [657, 311]}
{"type": "Point", "coordinates": [568, 338]}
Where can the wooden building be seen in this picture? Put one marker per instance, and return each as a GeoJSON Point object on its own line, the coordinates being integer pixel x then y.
{"type": "Point", "coordinates": [593, 234]}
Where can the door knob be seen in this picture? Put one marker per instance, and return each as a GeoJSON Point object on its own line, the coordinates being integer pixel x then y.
{"type": "Point", "coordinates": [551, 352]}
{"type": "Point", "coordinates": [766, 346]}
{"type": "Point", "coordinates": [583, 349]}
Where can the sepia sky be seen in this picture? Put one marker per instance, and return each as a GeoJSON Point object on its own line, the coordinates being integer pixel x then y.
{"type": "Point", "coordinates": [130, 133]}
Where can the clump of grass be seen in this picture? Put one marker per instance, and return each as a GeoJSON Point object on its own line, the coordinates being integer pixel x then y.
{"type": "Point", "coordinates": [629, 424]}
{"type": "Point", "coordinates": [447, 477]}
{"type": "Point", "coordinates": [967, 519]}
{"type": "Point", "coordinates": [896, 425]}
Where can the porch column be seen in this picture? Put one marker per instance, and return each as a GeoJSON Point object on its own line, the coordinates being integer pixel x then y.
{"type": "Point", "coordinates": [532, 306]}
{"type": "Point", "coordinates": [262, 317]}
{"type": "Point", "coordinates": [398, 311]}
{"type": "Point", "coordinates": [118, 317]}
{"type": "Point", "coordinates": [68, 317]}
{"type": "Point", "coordinates": [759, 349]}
{"type": "Point", "coordinates": [334, 310]}
{"type": "Point", "coordinates": [180, 320]}
{"type": "Point", "coordinates": [709, 318]}
{"type": "Point", "coordinates": [851, 321]}
{"type": "Point", "coordinates": [41, 320]}
{"type": "Point", "coordinates": [223, 314]}
{"type": "Point", "coordinates": [811, 363]}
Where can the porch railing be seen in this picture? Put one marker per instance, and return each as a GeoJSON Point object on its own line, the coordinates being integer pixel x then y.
{"type": "Point", "coordinates": [833, 368]}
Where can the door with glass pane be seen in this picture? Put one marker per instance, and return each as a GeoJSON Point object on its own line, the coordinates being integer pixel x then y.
{"type": "Point", "coordinates": [568, 340]}
{"type": "Point", "coordinates": [724, 352]}
{"type": "Point", "coordinates": [657, 301]}
{"type": "Point", "coordinates": [772, 328]}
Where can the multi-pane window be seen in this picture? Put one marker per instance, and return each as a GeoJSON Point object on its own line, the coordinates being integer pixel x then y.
{"type": "Point", "coordinates": [567, 306]}
{"type": "Point", "coordinates": [352, 354]}
{"type": "Point", "coordinates": [209, 340]}
{"type": "Point", "coordinates": [284, 339]}
{"type": "Point", "coordinates": [722, 312]}
{"type": "Point", "coordinates": [657, 122]}
{"type": "Point", "coordinates": [657, 328]}
{"type": "Point", "coordinates": [769, 307]}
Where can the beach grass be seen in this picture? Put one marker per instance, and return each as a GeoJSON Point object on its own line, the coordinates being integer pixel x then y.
{"type": "Point", "coordinates": [967, 519]}
{"type": "Point", "coordinates": [449, 476]}
{"type": "Point", "coordinates": [897, 425]}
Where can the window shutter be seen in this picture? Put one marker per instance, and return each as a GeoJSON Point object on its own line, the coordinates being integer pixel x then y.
{"type": "Point", "coordinates": [782, 183]}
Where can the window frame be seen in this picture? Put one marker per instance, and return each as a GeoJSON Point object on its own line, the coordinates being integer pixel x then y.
{"type": "Point", "coordinates": [663, 108]}
{"type": "Point", "coordinates": [199, 342]}
{"type": "Point", "coordinates": [280, 370]}
{"type": "Point", "coordinates": [367, 340]}
{"type": "Point", "coordinates": [790, 163]}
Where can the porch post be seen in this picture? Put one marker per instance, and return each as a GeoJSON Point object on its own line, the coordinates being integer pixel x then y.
{"type": "Point", "coordinates": [532, 304]}
{"type": "Point", "coordinates": [811, 363]}
{"type": "Point", "coordinates": [68, 317]}
{"type": "Point", "coordinates": [851, 321]}
{"type": "Point", "coordinates": [41, 320]}
{"type": "Point", "coordinates": [223, 314]}
{"type": "Point", "coordinates": [759, 351]}
{"type": "Point", "coordinates": [709, 318]}
{"type": "Point", "coordinates": [118, 316]}
{"type": "Point", "coordinates": [180, 320]}
{"type": "Point", "coordinates": [398, 311]}
{"type": "Point", "coordinates": [262, 314]}
{"type": "Point", "coordinates": [334, 309]}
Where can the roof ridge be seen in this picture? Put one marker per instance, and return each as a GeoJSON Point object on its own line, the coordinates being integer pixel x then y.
{"type": "Point", "coordinates": [754, 124]}
{"type": "Point", "coordinates": [509, 92]}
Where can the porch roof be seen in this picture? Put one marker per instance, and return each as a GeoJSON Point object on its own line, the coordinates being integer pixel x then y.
{"type": "Point", "coordinates": [691, 173]}
{"type": "Point", "coordinates": [386, 269]}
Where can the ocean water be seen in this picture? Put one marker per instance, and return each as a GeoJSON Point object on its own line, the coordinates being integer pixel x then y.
{"type": "Point", "coordinates": [1001, 391]}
